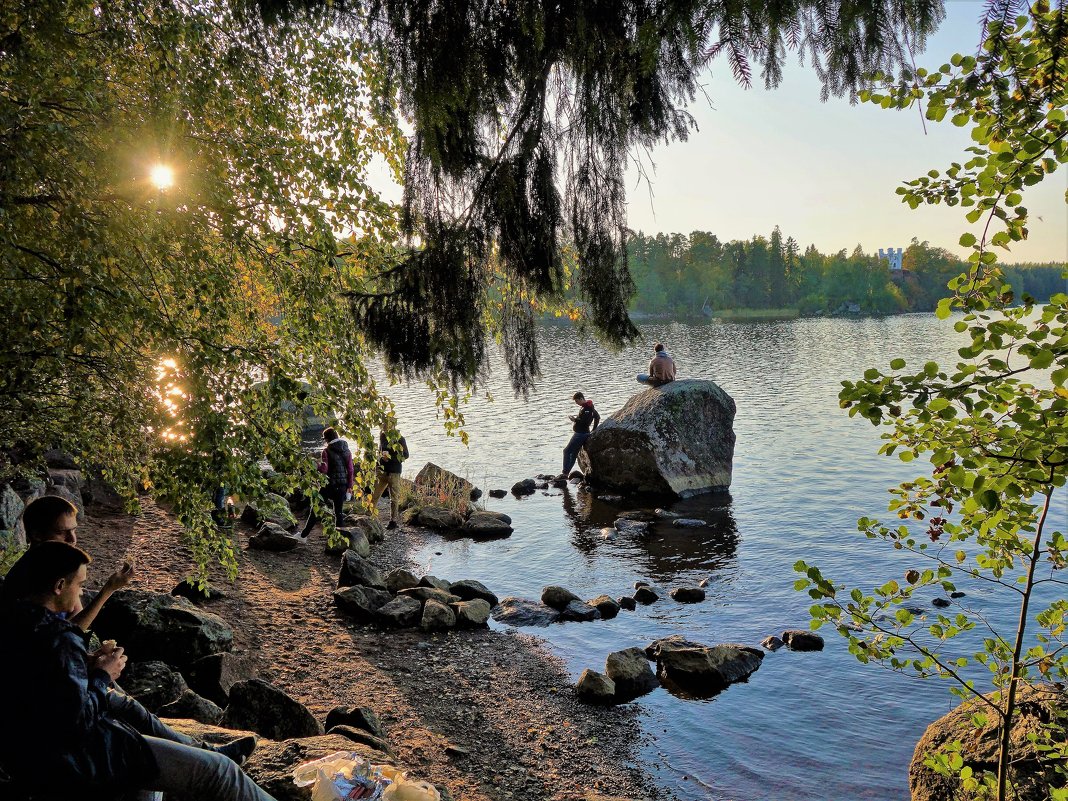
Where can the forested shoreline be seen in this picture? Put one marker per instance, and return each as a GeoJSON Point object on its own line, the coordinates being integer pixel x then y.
{"type": "Point", "coordinates": [681, 275]}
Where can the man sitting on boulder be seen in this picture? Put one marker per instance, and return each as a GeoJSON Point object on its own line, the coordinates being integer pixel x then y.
{"type": "Point", "coordinates": [661, 368]}
{"type": "Point", "coordinates": [586, 417]}
{"type": "Point", "coordinates": [65, 730]}
{"type": "Point", "coordinates": [51, 518]}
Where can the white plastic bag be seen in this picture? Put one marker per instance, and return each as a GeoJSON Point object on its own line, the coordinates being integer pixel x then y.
{"type": "Point", "coordinates": [337, 777]}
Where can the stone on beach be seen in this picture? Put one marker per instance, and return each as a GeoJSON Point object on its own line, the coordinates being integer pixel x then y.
{"type": "Point", "coordinates": [471, 614]}
{"type": "Point", "coordinates": [154, 684]}
{"type": "Point", "coordinates": [594, 687]}
{"type": "Point", "coordinates": [557, 597]}
{"type": "Point", "coordinates": [272, 537]}
{"type": "Point", "coordinates": [266, 710]}
{"type": "Point", "coordinates": [486, 524]}
{"type": "Point", "coordinates": [630, 671]}
{"type": "Point", "coordinates": [361, 603]}
{"type": "Point", "coordinates": [524, 612]}
{"type": "Point", "coordinates": [193, 706]}
{"type": "Point", "coordinates": [440, 518]}
{"type": "Point", "coordinates": [213, 676]}
{"type": "Point", "coordinates": [355, 570]}
{"type": "Point", "coordinates": [437, 617]}
{"type": "Point", "coordinates": [400, 613]}
{"type": "Point", "coordinates": [469, 589]}
{"type": "Point", "coordinates": [424, 594]}
{"type": "Point", "coordinates": [400, 579]}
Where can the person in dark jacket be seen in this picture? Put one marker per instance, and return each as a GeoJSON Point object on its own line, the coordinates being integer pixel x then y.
{"type": "Point", "coordinates": [65, 729]}
{"type": "Point", "coordinates": [586, 417]}
{"type": "Point", "coordinates": [336, 462]}
{"type": "Point", "coordinates": [389, 472]}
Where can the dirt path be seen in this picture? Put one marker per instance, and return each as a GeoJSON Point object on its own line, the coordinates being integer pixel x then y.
{"type": "Point", "coordinates": [487, 715]}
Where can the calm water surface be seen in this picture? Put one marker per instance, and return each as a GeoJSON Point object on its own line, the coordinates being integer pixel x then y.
{"type": "Point", "coordinates": [806, 725]}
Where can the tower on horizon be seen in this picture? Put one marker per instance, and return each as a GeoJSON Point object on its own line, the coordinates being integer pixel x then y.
{"type": "Point", "coordinates": [893, 256]}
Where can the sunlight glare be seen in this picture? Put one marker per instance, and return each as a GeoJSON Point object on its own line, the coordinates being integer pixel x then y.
{"type": "Point", "coordinates": [162, 176]}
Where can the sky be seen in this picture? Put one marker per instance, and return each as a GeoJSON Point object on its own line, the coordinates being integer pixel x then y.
{"type": "Point", "coordinates": [825, 173]}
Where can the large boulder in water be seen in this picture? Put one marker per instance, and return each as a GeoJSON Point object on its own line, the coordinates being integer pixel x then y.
{"type": "Point", "coordinates": [677, 439]}
{"type": "Point", "coordinates": [1032, 774]}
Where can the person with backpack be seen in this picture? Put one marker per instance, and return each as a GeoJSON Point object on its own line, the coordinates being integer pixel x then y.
{"type": "Point", "coordinates": [390, 457]}
{"type": "Point", "coordinates": [336, 462]}
{"type": "Point", "coordinates": [586, 417]}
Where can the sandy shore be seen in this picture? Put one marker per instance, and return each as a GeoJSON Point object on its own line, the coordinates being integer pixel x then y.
{"type": "Point", "coordinates": [483, 715]}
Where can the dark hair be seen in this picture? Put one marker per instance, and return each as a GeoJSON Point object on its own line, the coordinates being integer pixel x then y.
{"type": "Point", "coordinates": [658, 347]}
{"type": "Point", "coordinates": [38, 570]}
{"type": "Point", "coordinates": [329, 434]}
{"type": "Point", "coordinates": [41, 514]}
{"type": "Point", "coordinates": [578, 396]}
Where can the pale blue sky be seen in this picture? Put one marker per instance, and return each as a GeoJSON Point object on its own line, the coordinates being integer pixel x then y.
{"type": "Point", "coordinates": [824, 172]}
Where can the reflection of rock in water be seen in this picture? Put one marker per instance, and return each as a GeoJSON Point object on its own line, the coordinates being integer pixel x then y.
{"type": "Point", "coordinates": [663, 551]}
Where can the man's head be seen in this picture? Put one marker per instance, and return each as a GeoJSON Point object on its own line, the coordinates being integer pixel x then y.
{"type": "Point", "coordinates": [51, 574]}
{"type": "Point", "coordinates": [51, 519]}
{"type": "Point", "coordinates": [329, 435]}
{"type": "Point", "coordinates": [658, 347]}
{"type": "Point", "coordinates": [578, 398]}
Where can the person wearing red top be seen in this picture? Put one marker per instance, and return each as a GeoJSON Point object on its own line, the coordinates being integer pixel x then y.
{"type": "Point", "coordinates": [586, 417]}
{"type": "Point", "coordinates": [336, 463]}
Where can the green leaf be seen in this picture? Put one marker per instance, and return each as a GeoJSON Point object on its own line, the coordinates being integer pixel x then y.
{"type": "Point", "coordinates": [967, 240]}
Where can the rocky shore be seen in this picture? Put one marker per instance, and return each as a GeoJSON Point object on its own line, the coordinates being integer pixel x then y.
{"type": "Point", "coordinates": [481, 714]}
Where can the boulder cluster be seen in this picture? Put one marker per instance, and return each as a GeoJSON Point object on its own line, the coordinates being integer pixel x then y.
{"type": "Point", "coordinates": [400, 599]}
{"type": "Point", "coordinates": [684, 666]}
{"type": "Point", "coordinates": [561, 605]}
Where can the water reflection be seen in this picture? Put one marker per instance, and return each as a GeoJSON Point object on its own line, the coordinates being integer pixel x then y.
{"type": "Point", "coordinates": [661, 552]}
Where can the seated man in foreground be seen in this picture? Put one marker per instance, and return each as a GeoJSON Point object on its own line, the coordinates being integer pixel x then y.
{"type": "Point", "coordinates": [65, 731]}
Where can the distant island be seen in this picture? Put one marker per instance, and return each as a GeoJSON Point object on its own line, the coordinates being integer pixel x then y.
{"type": "Point", "coordinates": [676, 275]}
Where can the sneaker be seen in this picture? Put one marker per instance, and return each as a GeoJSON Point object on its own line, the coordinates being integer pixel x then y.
{"type": "Point", "coordinates": [239, 750]}
{"type": "Point", "coordinates": [391, 525]}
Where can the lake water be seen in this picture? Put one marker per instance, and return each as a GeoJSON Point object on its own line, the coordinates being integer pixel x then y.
{"type": "Point", "coordinates": [805, 725]}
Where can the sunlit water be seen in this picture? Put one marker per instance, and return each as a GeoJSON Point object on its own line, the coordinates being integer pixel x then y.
{"type": "Point", "coordinates": [805, 725]}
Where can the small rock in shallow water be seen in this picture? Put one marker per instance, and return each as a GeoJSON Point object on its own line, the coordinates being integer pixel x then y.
{"type": "Point", "coordinates": [772, 643]}
{"type": "Point", "coordinates": [645, 595]}
{"type": "Point", "coordinates": [525, 487]}
{"type": "Point", "coordinates": [688, 595]}
{"type": "Point", "coordinates": [579, 611]}
{"type": "Point", "coordinates": [957, 594]}
{"type": "Point", "coordinates": [801, 640]}
{"type": "Point", "coordinates": [524, 612]}
{"type": "Point", "coordinates": [628, 603]}
{"type": "Point", "coordinates": [688, 522]}
{"type": "Point", "coordinates": [498, 493]}
{"type": "Point", "coordinates": [605, 605]}
{"type": "Point", "coordinates": [664, 514]}
{"type": "Point", "coordinates": [557, 597]}
{"type": "Point", "coordinates": [941, 603]}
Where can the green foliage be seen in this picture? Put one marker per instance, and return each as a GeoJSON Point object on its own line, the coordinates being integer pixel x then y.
{"type": "Point", "coordinates": [172, 338]}
{"type": "Point", "coordinates": [524, 115]}
{"type": "Point", "coordinates": [995, 426]}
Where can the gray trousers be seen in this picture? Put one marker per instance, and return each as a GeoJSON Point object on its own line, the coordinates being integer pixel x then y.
{"type": "Point", "coordinates": [186, 768]}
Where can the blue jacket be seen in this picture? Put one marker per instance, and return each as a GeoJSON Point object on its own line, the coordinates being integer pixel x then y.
{"type": "Point", "coordinates": [56, 735]}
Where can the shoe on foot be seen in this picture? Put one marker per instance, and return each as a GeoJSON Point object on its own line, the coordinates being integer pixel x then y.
{"type": "Point", "coordinates": [391, 525]}
{"type": "Point", "coordinates": [239, 750]}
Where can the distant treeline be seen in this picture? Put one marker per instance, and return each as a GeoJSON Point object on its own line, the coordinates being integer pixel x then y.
{"type": "Point", "coordinates": [683, 275]}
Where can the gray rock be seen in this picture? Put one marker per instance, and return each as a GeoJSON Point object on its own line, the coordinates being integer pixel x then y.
{"type": "Point", "coordinates": [355, 570]}
{"type": "Point", "coordinates": [370, 527]}
{"type": "Point", "coordinates": [194, 707]}
{"type": "Point", "coordinates": [646, 595]}
{"type": "Point", "coordinates": [469, 589]}
{"type": "Point", "coordinates": [471, 614]}
{"type": "Point", "coordinates": [674, 440]}
{"type": "Point", "coordinates": [155, 684]}
{"type": "Point", "coordinates": [579, 611]}
{"type": "Point", "coordinates": [527, 486]}
{"type": "Point", "coordinates": [356, 541]}
{"type": "Point", "coordinates": [56, 459]}
{"type": "Point", "coordinates": [11, 506]}
{"type": "Point", "coordinates": [498, 493]}
{"type": "Point", "coordinates": [358, 717]}
{"type": "Point", "coordinates": [630, 671]}
{"type": "Point", "coordinates": [476, 493]}
{"type": "Point", "coordinates": [424, 594]}
{"type": "Point", "coordinates": [439, 518]}
{"type": "Point", "coordinates": [156, 626]}
{"type": "Point", "coordinates": [361, 603]}
{"type": "Point", "coordinates": [688, 595]}
{"type": "Point", "coordinates": [437, 617]}
{"type": "Point", "coordinates": [272, 537]}
{"type": "Point", "coordinates": [401, 613]}
{"type": "Point", "coordinates": [664, 514]}
{"type": "Point", "coordinates": [633, 528]}
{"type": "Point", "coordinates": [626, 602]}
{"type": "Point", "coordinates": [432, 480]}
{"type": "Point", "coordinates": [558, 483]}
{"type": "Point", "coordinates": [524, 612]}
{"type": "Point", "coordinates": [271, 508]}
{"type": "Point", "coordinates": [435, 582]}
{"type": "Point", "coordinates": [266, 710]}
{"type": "Point", "coordinates": [486, 524]}
{"type": "Point", "coordinates": [358, 735]}
{"type": "Point", "coordinates": [400, 579]}
{"type": "Point", "coordinates": [772, 643]}
{"type": "Point", "coordinates": [672, 643]}
{"type": "Point", "coordinates": [641, 583]}
{"type": "Point", "coordinates": [709, 668]}
{"type": "Point", "coordinates": [688, 522]}
{"type": "Point", "coordinates": [801, 640]}
{"type": "Point", "coordinates": [595, 688]}
{"type": "Point", "coordinates": [605, 605]}
{"type": "Point", "coordinates": [213, 676]}
{"type": "Point", "coordinates": [557, 597]}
